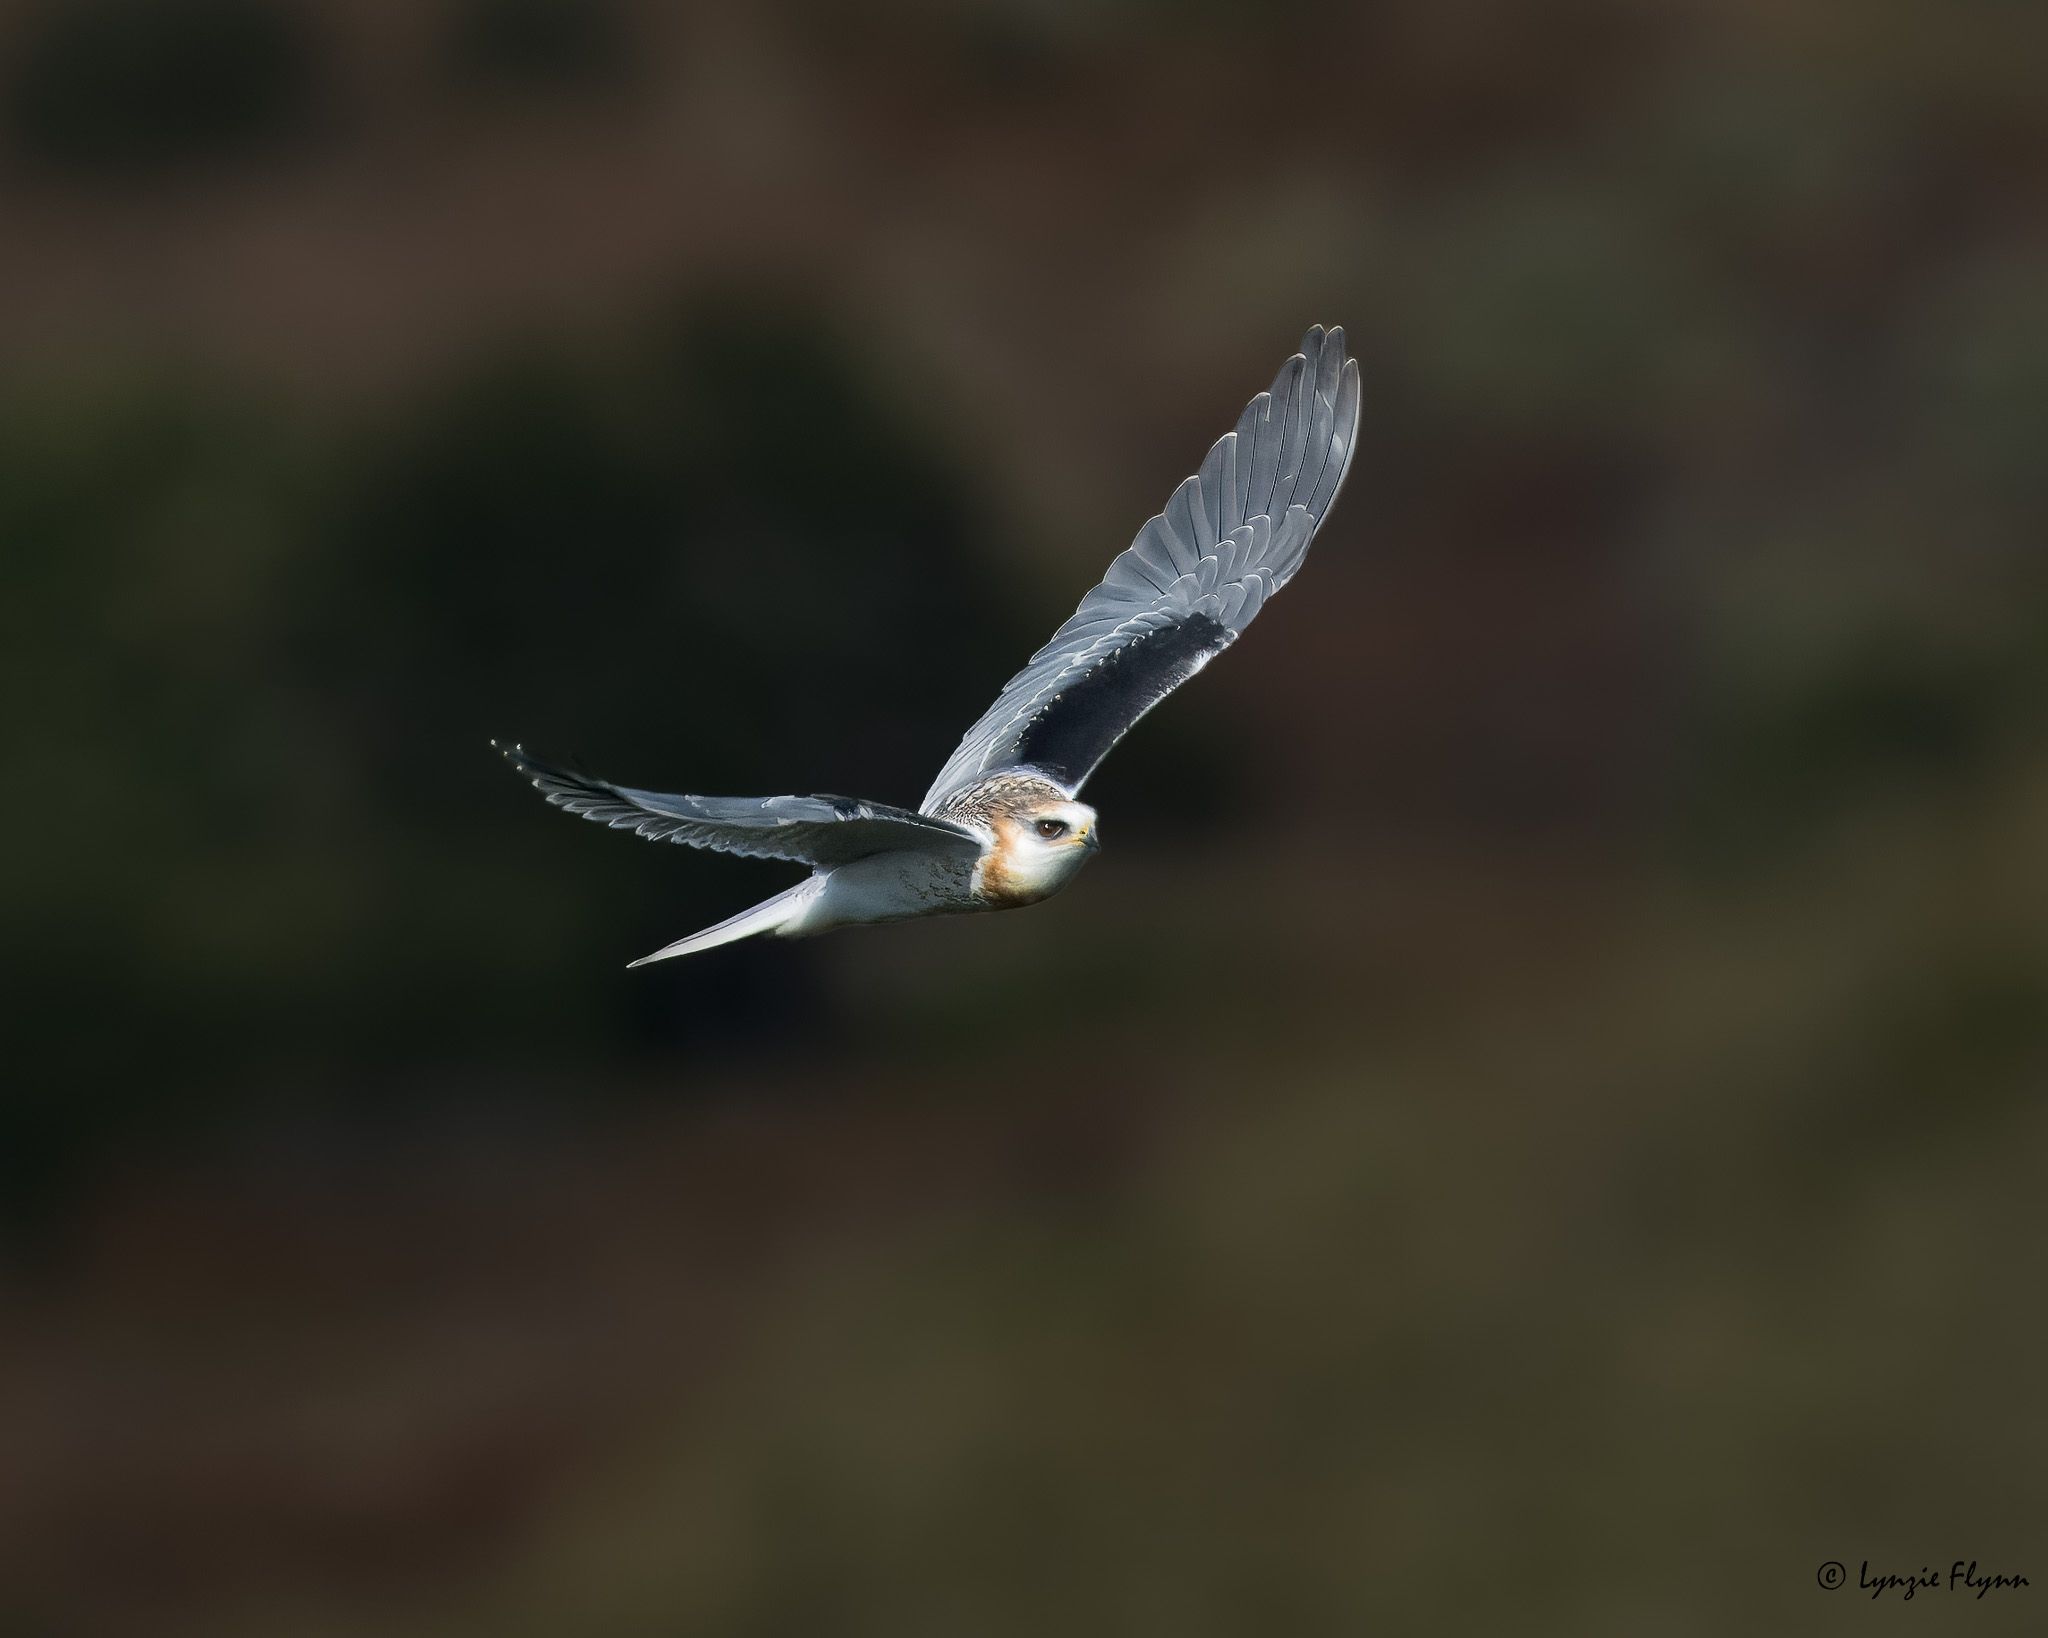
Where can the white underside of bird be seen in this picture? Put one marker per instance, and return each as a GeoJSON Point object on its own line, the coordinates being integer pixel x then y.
{"type": "Point", "coordinates": [1006, 872]}
{"type": "Point", "coordinates": [1002, 826]}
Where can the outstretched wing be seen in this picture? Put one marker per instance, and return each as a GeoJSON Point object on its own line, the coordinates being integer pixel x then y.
{"type": "Point", "coordinates": [821, 831]}
{"type": "Point", "coordinates": [1195, 577]}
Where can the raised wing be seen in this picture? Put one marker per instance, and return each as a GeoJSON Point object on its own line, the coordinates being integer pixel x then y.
{"type": "Point", "coordinates": [821, 831]}
{"type": "Point", "coordinates": [1195, 577]}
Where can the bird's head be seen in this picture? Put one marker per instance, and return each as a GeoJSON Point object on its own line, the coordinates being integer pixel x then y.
{"type": "Point", "coordinates": [1040, 844]}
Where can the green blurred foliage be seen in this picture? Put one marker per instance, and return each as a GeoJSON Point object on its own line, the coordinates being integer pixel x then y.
{"type": "Point", "coordinates": [269, 655]}
{"type": "Point", "coordinates": [540, 45]}
{"type": "Point", "coordinates": [138, 87]}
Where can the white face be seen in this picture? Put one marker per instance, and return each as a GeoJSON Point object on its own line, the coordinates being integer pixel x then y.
{"type": "Point", "coordinates": [1047, 843]}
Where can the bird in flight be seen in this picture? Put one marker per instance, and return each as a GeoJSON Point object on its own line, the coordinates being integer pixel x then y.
{"type": "Point", "coordinates": [1002, 825]}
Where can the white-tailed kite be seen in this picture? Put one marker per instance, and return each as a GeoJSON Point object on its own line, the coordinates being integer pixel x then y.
{"type": "Point", "coordinates": [1000, 827]}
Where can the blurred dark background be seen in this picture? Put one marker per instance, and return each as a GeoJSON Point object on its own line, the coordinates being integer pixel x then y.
{"type": "Point", "coordinates": [1535, 1123]}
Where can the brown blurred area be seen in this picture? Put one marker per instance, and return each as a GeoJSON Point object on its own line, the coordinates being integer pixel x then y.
{"type": "Point", "coordinates": [1536, 1121]}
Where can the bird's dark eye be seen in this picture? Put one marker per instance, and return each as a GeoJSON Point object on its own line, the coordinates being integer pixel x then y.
{"type": "Point", "coordinates": [1052, 829]}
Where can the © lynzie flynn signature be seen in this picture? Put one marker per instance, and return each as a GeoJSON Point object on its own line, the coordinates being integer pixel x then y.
{"type": "Point", "coordinates": [1961, 1577]}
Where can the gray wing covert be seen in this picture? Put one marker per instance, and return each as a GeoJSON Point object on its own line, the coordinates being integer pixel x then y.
{"type": "Point", "coordinates": [820, 831]}
{"type": "Point", "coordinates": [1195, 577]}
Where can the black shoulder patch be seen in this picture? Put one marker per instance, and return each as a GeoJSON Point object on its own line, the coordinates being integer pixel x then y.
{"type": "Point", "coordinates": [1076, 728]}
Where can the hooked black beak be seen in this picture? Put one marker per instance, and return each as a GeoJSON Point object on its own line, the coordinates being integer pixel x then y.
{"type": "Point", "coordinates": [1093, 840]}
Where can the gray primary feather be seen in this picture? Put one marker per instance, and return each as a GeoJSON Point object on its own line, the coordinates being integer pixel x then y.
{"type": "Point", "coordinates": [1196, 576]}
{"type": "Point", "coordinates": [821, 831]}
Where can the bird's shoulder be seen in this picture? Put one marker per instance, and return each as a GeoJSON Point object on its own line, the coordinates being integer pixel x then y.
{"type": "Point", "coordinates": [999, 796]}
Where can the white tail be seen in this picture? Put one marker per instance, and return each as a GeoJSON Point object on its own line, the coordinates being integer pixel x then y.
{"type": "Point", "coordinates": [769, 916]}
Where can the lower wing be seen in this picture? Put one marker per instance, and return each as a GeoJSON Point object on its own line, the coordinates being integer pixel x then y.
{"type": "Point", "coordinates": [820, 831]}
